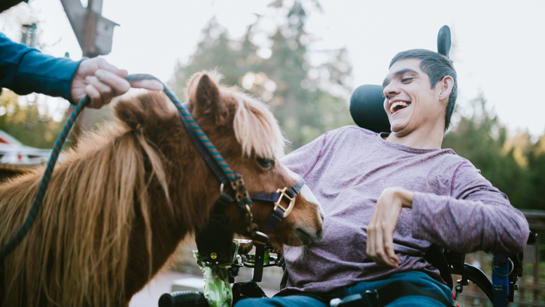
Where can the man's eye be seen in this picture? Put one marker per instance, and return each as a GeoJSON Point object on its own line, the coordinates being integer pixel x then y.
{"type": "Point", "coordinates": [406, 79]}
{"type": "Point", "coordinates": [265, 163]}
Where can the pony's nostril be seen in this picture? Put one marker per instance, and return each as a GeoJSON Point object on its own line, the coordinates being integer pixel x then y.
{"type": "Point", "coordinates": [303, 236]}
{"type": "Point", "coordinates": [319, 235]}
{"type": "Point", "coordinates": [306, 237]}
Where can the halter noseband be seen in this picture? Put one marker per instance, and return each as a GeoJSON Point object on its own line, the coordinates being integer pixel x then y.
{"type": "Point", "coordinates": [279, 212]}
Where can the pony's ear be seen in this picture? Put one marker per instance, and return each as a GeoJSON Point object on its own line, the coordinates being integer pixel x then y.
{"type": "Point", "coordinates": [204, 97]}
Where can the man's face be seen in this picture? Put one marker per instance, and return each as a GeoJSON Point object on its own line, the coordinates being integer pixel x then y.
{"type": "Point", "coordinates": [410, 101]}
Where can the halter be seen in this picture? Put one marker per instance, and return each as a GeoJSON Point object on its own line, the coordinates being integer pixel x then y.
{"type": "Point", "coordinates": [279, 212]}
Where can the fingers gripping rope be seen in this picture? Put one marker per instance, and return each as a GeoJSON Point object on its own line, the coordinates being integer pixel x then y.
{"type": "Point", "coordinates": [34, 210]}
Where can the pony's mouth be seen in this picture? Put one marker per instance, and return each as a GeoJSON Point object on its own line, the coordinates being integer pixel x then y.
{"type": "Point", "coordinates": [398, 105]}
{"type": "Point", "coordinates": [306, 237]}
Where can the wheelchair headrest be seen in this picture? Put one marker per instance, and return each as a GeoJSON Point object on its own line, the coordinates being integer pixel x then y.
{"type": "Point", "coordinates": [366, 108]}
{"type": "Point", "coordinates": [366, 103]}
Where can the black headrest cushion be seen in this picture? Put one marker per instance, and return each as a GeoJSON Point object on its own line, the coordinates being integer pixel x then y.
{"type": "Point", "coordinates": [366, 108]}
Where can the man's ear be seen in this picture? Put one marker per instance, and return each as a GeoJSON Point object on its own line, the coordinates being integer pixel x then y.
{"type": "Point", "coordinates": [204, 96]}
{"type": "Point", "coordinates": [445, 86]}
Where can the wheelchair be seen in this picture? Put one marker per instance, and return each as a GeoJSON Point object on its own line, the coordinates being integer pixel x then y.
{"type": "Point", "coordinates": [500, 290]}
{"type": "Point", "coordinates": [366, 109]}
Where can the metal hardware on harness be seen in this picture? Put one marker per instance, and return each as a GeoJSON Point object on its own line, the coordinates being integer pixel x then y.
{"type": "Point", "coordinates": [291, 199]}
{"type": "Point", "coordinates": [243, 199]}
{"type": "Point", "coordinates": [241, 195]}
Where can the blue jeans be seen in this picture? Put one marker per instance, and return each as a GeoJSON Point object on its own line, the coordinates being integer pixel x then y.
{"type": "Point", "coordinates": [416, 277]}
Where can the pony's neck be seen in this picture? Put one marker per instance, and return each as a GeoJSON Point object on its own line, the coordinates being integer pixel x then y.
{"type": "Point", "coordinates": [192, 190]}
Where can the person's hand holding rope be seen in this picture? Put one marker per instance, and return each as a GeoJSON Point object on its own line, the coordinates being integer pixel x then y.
{"type": "Point", "coordinates": [103, 81]}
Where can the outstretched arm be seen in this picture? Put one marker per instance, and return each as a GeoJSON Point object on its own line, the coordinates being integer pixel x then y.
{"type": "Point", "coordinates": [25, 70]}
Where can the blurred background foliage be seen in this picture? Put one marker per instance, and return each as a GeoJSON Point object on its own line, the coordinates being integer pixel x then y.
{"type": "Point", "coordinates": [308, 91]}
{"type": "Point", "coordinates": [23, 118]}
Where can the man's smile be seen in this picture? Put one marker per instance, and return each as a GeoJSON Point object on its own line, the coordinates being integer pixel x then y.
{"type": "Point", "coordinates": [397, 105]}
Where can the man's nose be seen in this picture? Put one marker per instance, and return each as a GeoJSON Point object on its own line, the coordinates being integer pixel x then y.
{"type": "Point", "coordinates": [390, 90]}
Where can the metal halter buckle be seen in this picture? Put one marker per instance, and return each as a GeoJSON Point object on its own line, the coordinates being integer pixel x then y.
{"type": "Point", "coordinates": [283, 194]}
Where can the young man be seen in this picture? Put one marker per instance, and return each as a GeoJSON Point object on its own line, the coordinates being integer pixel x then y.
{"type": "Point", "coordinates": [25, 70]}
{"type": "Point", "coordinates": [388, 197]}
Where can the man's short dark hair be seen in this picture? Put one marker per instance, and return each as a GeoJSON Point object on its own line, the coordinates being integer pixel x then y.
{"type": "Point", "coordinates": [436, 66]}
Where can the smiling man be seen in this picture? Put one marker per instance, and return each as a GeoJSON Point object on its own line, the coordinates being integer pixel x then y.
{"type": "Point", "coordinates": [387, 197]}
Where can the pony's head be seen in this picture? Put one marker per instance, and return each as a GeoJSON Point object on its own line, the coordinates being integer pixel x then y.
{"type": "Point", "coordinates": [249, 138]}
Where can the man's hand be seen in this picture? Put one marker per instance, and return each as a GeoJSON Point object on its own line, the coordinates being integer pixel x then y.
{"type": "Point", "coordinates": [380, 231]}
{"type": "Point", "coordinates": [102, 81]}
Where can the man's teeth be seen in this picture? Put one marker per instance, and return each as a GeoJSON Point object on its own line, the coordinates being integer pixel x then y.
{"type": "Point", "coordinates": [398, 105]}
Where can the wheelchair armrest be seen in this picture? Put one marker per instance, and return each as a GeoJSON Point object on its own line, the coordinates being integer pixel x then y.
{"type": "Point", "coordinates": [511, 263]}
{"type": "Point", "coordinates": [478, 277]}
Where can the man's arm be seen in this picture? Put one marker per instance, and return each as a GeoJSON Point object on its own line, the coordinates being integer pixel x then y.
{"type": "Point", "coordinates": [476, 216]}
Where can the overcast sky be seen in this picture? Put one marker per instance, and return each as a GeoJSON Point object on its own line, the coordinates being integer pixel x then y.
{"type": "Point", "coordinates": [499, 45]}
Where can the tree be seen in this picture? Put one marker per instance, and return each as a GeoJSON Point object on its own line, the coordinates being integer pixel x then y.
{"type": "Point", "coordinates": [483, 140]}
{"type": "Point", "coordinates": [307, 99]}
{"type": "Point", "coordinates": [536, 175]}
{"type": "Point", "coordinates": [25, 122]}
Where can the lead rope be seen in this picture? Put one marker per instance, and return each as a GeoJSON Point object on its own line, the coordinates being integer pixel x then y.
{"type": "Point", "coordinates": [235, 180]}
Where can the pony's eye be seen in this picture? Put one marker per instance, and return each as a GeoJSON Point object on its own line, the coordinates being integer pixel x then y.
{"type": "Point", "coordinates": [265, 163]}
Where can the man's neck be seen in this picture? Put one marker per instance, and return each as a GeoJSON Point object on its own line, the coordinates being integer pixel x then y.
{"type": "Point", "coordinates": [431, 139]}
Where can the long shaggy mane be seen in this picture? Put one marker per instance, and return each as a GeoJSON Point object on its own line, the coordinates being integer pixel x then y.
{"type": "Point", "coordinates": [84, 223]}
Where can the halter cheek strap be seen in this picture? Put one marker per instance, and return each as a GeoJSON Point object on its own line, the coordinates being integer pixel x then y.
{"type": "Point", "coordinates": [279, 212]}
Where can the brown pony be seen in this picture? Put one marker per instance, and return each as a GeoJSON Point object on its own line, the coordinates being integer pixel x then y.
{"type": "Point", "coordinates": [120, 202]}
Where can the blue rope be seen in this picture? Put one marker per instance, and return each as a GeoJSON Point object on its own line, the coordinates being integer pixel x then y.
{"type": "Point", "coordinates": [36, 205]}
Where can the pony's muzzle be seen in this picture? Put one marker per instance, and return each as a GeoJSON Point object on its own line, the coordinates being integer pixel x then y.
{"type": "Point", "coordinates": [308, 237]}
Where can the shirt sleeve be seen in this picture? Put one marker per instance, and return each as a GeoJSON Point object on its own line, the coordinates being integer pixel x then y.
{"type": "Point", "coordinates": [303, 159]}
{"type": "Point", "coordinates": [25, 70]}
{"type": "Point", "coordinates": [475, 216]}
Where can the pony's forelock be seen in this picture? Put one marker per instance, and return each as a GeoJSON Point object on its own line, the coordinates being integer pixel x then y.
{"type": "Point", "coordinates": [256, 129]}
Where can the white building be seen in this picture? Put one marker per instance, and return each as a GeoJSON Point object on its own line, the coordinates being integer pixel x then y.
{"type": "Point", "coordinates": [15, 153]}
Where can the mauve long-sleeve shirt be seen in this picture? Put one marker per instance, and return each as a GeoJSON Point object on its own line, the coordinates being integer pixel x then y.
{"type": "Point", "coordinates": [453, 206]}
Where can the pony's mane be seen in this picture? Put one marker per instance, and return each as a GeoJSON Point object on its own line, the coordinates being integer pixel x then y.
{"type": "Point", "coordinates": [106, 171]}
{"type": "Point", "coordinates": [255, 127]}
